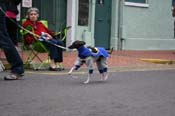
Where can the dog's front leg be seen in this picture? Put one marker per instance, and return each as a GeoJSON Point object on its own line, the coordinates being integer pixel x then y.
{"type": "Point", "coordinates": [71, 70]}
{"type": "Point", "coordinates": [70, 73]}
{"type": "Point", "coordinates": [105, 76]}
{"type": "Point", "coordinates": [102, 77]}
{"type": "Point", "coordinates": [88, 79]}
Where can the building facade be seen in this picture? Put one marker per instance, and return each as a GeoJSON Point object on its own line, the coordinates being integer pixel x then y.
{"type": "Point", "coordinates": [122, 24]}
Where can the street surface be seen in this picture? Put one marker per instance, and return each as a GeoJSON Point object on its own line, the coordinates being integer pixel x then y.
{"type": "Point", "coordinates": [128, 93]}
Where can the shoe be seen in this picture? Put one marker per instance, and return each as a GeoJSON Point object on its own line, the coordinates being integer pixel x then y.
{"type": "Point", "coordinates": [13, 76]}
{"type": "Point", "coordinates": [60, 69]}
{"type": "Point", "coordinates": [53, 69]}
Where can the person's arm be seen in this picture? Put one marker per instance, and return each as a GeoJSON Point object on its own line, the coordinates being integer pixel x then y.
{"type": "Point", "coordinates": [50, 32]}
{"type": "Point", "coordinates": [28, 38]}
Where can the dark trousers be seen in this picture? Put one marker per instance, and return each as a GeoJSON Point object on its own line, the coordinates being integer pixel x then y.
{"type": "Point", "coordinates": [12, 29]}
{"type": "Point", "coordinates": [8, 47]}
{"type": "Point", "coordinates": [55, 52]}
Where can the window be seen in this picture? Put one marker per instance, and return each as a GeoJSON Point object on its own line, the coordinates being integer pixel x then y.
{"type": "Point", "coordinates": [139, 3]}
{"type": "Point", "coordinates": [83, 12]}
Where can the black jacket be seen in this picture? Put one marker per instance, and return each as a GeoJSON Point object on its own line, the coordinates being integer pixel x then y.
{"type": "Point", "coordinates": [2, 1]}
{"type": "Point", "coordinates": [11, 5]}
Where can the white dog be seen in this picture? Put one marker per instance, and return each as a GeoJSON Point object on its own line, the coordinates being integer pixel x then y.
{"type": "Point", "coordinates": [89, 55]}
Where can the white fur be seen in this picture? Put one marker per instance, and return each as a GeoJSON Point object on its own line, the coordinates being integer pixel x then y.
{"type": "Point", "coordinates": [103, 76]}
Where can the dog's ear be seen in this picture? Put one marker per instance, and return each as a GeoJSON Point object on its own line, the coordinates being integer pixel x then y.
{"type": "Point", "coordinates": [71, 47]}
{"type": "Point", "coordinates": [82, 42]}
{"type": "Point", "coordinates": [76, 44]}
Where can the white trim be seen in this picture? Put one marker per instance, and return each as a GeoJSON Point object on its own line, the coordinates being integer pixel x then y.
{"type": "Point", "coordinates": [71, 21]}
{"type": "Point", "coordinates": [137, 4]}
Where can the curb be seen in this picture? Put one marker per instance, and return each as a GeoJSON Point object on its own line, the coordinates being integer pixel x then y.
{"type": "Point", "coordinates": [158, 61]}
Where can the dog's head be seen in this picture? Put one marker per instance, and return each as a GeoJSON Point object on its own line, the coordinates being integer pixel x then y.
{"type": "Point", "coordinates": [76, 44]}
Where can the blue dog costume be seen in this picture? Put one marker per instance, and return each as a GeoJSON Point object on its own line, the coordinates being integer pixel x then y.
{"type": "Point", "coordinates": [89, 55]}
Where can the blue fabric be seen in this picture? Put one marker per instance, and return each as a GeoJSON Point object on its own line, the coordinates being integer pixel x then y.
{"type": "Point", "coordinates": [100, 71]}
{"type": "Point", "coordinates": [77, 67]}
{"type": "Point", "coordinates": [90, 71]}
{"type": "Point", "coordinates": [56, 53]}
{"type": "Point", "coordinates": [84, 52]}
{"type": "Point", "coordinates": [105, 69]}
{"type": "Point", "coordinates": [101, 52]}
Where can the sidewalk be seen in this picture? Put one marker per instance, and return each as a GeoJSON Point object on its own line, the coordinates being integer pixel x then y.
{"type": "Point", "coordinates": [124, 58]}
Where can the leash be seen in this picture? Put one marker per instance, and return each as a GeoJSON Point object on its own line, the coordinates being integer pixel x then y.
{"type": "Point", "coordinates": [30, 32]}
{"type": "Point", "coordinates": [43, 38]}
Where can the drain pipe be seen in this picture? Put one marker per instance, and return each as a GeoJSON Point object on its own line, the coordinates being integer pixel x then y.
{"type": "Point", "coordinates": [120, 24]}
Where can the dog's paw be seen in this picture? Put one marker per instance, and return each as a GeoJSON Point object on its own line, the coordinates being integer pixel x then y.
{"type": "Point", "coordinates": [87, 81]}
{"type": "Point", "coordinates": [103, 77]}
{"type": "Point", "coordinates": [106, 77]}
{"type": "Point", "coordinates": [69, 73]}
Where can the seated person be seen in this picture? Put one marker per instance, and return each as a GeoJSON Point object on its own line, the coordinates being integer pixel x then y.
{"type": "Point", "coordinates": [56, 53]}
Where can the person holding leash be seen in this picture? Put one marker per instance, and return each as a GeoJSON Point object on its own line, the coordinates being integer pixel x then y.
{"type": "Point", "coordinates": [11, 14]}
{"type": "Point", "coordinates": [56, 53]}
{"type": "Point", "coordinates": [9, 49]}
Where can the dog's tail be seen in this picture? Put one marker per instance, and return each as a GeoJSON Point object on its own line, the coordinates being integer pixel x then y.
{"type": "Point", "coordinates": [111, 50]}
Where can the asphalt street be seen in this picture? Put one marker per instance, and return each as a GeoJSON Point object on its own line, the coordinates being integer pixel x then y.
{"type": "Point", "coordinates": [128, 93]}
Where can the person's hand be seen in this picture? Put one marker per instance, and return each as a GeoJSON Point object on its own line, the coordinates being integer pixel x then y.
{"type": "Point", "coordinates": [48, 36]}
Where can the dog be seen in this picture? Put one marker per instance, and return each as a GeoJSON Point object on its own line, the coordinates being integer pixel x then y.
{"type": "Point", "coordinates": [89, 55]}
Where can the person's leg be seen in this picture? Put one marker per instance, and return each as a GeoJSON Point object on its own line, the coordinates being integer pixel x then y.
{"type": "Point", "coordinates": [12, 30]}
{"type": "Point", "coordinates": [53, 55]}
{"type": "Point", "coordinates": [9, 49]}
{"type": "Point", "coordinates": [58, 55]}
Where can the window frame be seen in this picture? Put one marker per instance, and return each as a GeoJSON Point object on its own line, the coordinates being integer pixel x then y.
{"type": "Point", "coordinates": [145, 5]}
{"type": "Point", "coordinates": [88, 11]}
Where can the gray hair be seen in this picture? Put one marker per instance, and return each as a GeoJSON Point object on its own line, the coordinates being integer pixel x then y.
{"type": "Point", "coordinates": [30, 10]}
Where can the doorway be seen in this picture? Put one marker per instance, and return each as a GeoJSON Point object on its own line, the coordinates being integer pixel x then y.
{"type": "Point", "coordinates": [102, 23]}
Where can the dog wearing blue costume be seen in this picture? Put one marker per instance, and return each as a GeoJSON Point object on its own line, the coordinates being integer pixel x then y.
{"type": "Point", "coordinates": [89, 55]}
